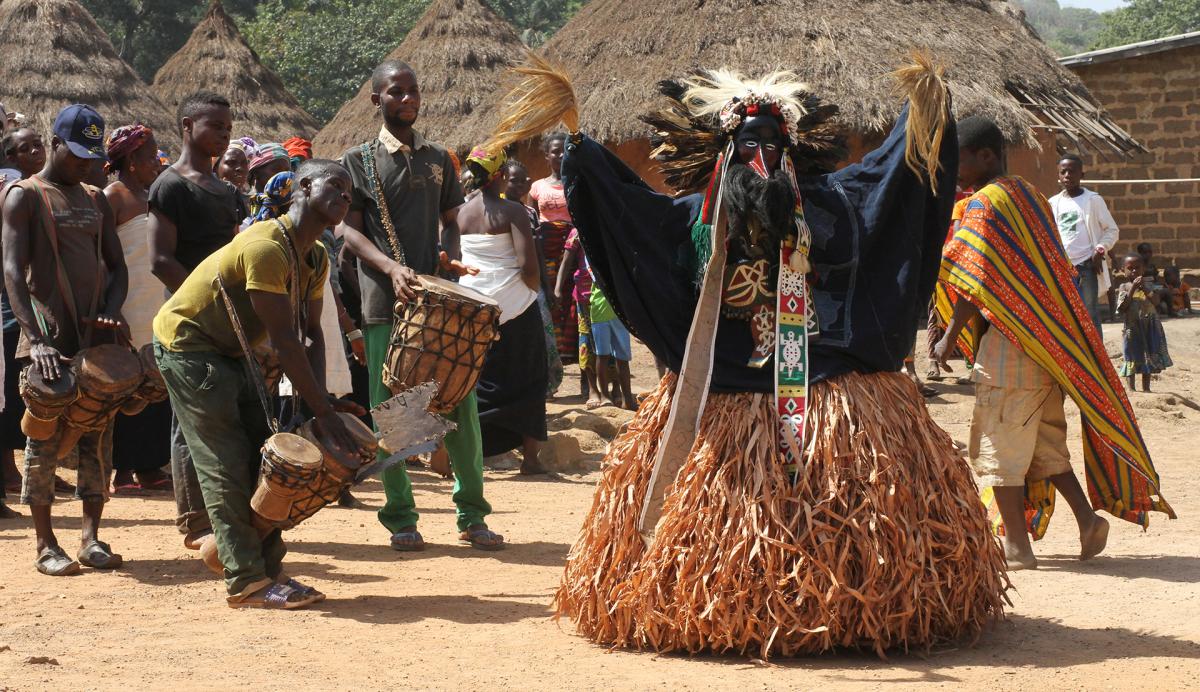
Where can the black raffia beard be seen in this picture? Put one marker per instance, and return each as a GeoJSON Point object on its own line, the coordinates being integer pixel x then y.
{"type": "Point", "coordinates": [771, 201]}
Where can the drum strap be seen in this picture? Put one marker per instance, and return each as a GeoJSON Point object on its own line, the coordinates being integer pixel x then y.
{"type": "Point", "coordinates": [250, 363]}
{"type": "Point", "coordinates": [385, 216]}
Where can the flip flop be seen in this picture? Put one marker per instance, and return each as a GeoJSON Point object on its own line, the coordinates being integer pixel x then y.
{"type": "Point", "coordinates": [473, 536]}
{"type": "Point", "coordinates": [99, 555]}
{"type": "Point", "coordinates": [304, 590]}
{"type": "Point", "coordinates": [272, 597]}
{"type": "Point", "coordinates": [408, 541]}
{"type": "Point", "coordinates": [53, 562]}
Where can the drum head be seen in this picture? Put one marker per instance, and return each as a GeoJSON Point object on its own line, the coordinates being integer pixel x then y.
{"type": "Point", "coordinates": [109, 366]}
{"type": "Point", "coordinates": [294, 449]}
{"type": "Point", "coordinates": [62, 387]}
{"type": "Point", "coordinates": [440, 285]}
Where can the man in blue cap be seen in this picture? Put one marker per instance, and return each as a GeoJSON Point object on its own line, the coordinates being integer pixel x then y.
{"type": "Point", "coordinates": [66, 279]}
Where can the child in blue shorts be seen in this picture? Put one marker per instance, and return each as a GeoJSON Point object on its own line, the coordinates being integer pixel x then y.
{"type": "Point", "coordinates": [611, 341]}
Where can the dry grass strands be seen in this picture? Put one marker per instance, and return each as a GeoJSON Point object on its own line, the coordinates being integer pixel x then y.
{"type": "Point", "coordinates": [881, 544]}
{"type": "Point", "coordinates": [217, 58]}
{"type": "Point", "coordinates": [56, 55]}
{"type": "Point", "coordinates": [460, 50]}
{"type": "Point", "coordinates": [540, 101]}
{"type": "Point", "coordinates": [923, 82]}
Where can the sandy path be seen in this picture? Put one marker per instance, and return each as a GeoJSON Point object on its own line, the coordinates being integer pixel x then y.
{"type": "Point", "coordinates": [452, 617]}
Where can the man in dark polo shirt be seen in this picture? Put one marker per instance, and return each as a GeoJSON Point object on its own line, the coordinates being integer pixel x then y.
{"type": "Point", "coordinates": [193, 213]}
{"type": "Point", "coordinates": [420, 190]}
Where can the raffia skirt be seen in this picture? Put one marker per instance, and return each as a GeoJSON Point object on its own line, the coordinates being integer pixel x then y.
{"type": "Point", "coordinates": [880, 543]}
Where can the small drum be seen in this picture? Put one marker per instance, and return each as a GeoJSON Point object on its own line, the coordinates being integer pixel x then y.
{"type": "Point", "coordinates": [44, 401]}
{"type": "Point", "coordinates": [443, 336]}
{"type": "Point", "coordinates": [339, 468]}
{"type": "Point", "coordinates": [107, 375]}
{"type": "Point", "coordinates": [153, 388]}
{"type": "Point", "coordinates": [290, 465]}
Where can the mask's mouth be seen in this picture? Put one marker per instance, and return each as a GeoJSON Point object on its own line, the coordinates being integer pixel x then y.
{"type": "Point", "coordinates": [759, 165]}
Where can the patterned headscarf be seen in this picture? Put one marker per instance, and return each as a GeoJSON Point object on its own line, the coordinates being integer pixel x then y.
{"type": "Point", "coordinates": [245, 145]}
{"type": "Point", "coordinates": [298, 149]}
{"type": "Point", "coordinates": [266, 153]}
{"type": "Point", "coordinates": [276, 196]}
{"type": "Point", "coordinates": [123, 141]}
{"type": "Point", "coordinates": [489, 162]}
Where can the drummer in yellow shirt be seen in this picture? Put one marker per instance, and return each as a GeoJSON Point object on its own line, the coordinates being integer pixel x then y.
{"type": "Point", "coordinates": [273, 272]}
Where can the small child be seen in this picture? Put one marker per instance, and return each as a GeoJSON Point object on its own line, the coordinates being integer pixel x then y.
{"type": "Point", "coordinates": [573, 272]}
{"type": "Point", "coordinates": [1178, 290]}
{"type": "Point", "coordinates": [611, 340]}
{"type": "Point", "coordinates": [1145, 343]}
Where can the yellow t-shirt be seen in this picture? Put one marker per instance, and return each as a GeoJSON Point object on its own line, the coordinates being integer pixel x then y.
{"type": "Point", "coordinates": [257, 259]}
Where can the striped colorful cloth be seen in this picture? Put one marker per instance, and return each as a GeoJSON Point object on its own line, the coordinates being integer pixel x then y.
{"type": "Point", "coordinates": [1008, 260]}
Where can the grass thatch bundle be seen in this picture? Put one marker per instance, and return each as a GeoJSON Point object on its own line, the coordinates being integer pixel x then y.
{"type": "Point", "coordinates": [460, 50]}
{"type": "Point", "coordinates": [540, 101]}
{"type": "Point", "coordinates": [881, 543]}
{"type": "Point", "coordinates": [217, 58]}
{"type": "Point", "coordinates": [615, 51]}
{"type": "Point", "coordinates": [55, 55]}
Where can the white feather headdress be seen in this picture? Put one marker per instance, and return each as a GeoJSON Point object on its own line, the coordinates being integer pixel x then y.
{"type": "Point", "coordinates": [729, 95]}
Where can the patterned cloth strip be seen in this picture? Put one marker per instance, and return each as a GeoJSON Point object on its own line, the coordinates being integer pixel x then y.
{"type": "Point", "coordinates": [791, 358]}
{"type": "Point", "coordinates": [1007, 259]}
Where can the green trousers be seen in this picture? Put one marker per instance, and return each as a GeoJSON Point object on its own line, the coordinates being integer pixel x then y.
{"type": "Point", "coordinates": [465, 446]}
{"type": "Point", "coordinates": [225, 427]}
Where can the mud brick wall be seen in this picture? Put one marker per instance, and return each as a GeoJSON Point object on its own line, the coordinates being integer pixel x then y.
{"type": "Point", "coordinates": [1156, 98]}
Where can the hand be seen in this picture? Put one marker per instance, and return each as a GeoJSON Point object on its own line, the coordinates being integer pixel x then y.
{"type": "Point", "coordinates": [1137, 283]}
{"type": "Point", "coordinates": [358, 348]}
{"type": "Point", "coordinates": [942, 351]}
{"type": "Point", "coordinates": [105, 321]}
{"type": "Point", "coordinates": [48, 361]}
{"type": "Point", "coordinates": [347, 406]}
{"type": "Point", "coordinates": [332, 432]}
{"type": "Point", "coordinates": [404, 281]}
{"type": "Point", "coordinates": [454, 266]}
{"type": "Point", "coordinates": [1098, 260]}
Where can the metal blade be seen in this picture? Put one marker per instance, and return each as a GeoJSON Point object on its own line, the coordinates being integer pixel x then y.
{"type": "Point", "coordinates": [404, 421]}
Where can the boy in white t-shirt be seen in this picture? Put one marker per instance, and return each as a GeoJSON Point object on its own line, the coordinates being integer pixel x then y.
{"type": "Point", "coordinates": [1088, 232]}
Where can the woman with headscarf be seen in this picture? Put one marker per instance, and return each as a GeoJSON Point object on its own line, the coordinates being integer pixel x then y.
{"type": "Point", "coordinates": [497, 239]}
{"type": "Point", "coordinates": [141, 443]}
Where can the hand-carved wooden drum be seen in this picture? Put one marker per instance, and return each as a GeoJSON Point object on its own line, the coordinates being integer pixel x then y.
{"type": "Point", "coordinates": [44, 401]}
{"type": "Point", "coordinates": [443, 335]}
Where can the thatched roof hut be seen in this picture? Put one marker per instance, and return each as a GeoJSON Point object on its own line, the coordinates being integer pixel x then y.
{"type": "Point", "coordinates": [217, 58]}
{"type": "Point", "coordinates": [617, 50]}
{"type": "Point", "coordinates": [56, 55]}
{"type": "Point", "coordinates": [459, 50]}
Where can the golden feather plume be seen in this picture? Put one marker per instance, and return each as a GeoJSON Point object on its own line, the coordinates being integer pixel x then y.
{"type": "Point", "coordinates": [923, 82]}
{"type": "Point", "coordinates": [541, 100]}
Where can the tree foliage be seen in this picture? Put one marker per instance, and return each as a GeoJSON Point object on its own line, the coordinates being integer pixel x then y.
{"type": "Point", "coordinates": [1067, 30]}
{"type": "Point", "coordinates": [1143, 20]}
{"type": "Point", "coordinates": [325, 49]}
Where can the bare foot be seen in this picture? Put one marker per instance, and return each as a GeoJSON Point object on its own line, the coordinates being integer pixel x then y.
{"type": "Point", "coordinates": [1093, 540]}
{"type": "Point", "coordinates": [1018, 560]}
{"type": "Point", "coordinates": [531, 466]}
{"type": "Point", "coordinates": [594, 402]}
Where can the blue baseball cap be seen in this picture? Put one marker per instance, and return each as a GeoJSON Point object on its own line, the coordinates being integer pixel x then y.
{"type": "Point", "coordinates": [82, 128]}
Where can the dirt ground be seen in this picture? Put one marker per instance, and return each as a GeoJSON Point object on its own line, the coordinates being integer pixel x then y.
{"type": "Point", "coordinates": [452, 617]}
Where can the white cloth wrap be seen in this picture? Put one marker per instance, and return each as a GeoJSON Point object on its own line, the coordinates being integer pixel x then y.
{"type": "Point", "coordinates": [499, 275]}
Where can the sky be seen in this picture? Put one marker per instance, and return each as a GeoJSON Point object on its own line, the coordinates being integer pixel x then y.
{"type": "Point", "coordinates": [1098, 5]}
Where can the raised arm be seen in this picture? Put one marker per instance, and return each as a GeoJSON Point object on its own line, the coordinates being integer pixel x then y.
{"type": "Point", "coordinates": [403, 279]}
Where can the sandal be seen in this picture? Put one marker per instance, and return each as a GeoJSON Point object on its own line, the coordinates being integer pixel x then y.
{"type": "Point", "coordinates": [304, 590]}
{"type": "Point", "coordinates": [53, 562]}
{"type": "Point", "coordinates": [408, 541]}
{"type": "Point", "coordinates": [271, 596]}
{"type": "Point", "coordinates": [482, 538]}
{"type": "Point", "coordinates": [99, 555]}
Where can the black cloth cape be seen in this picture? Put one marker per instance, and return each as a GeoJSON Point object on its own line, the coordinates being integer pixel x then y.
{"type": "Point", "coordinates": [877, 240]}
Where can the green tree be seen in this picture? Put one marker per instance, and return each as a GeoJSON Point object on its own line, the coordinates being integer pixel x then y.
{"type": "Point", "coordinates": [536, 20]}
{"type": "Point", "coordinates": [324, 49]}
{"type": "Point", "coordinates": [146, 33]}
{"type": "Point", "coordinates": [1143, 20]}
{"type": "Point", "coordinates": [1067, 30]}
